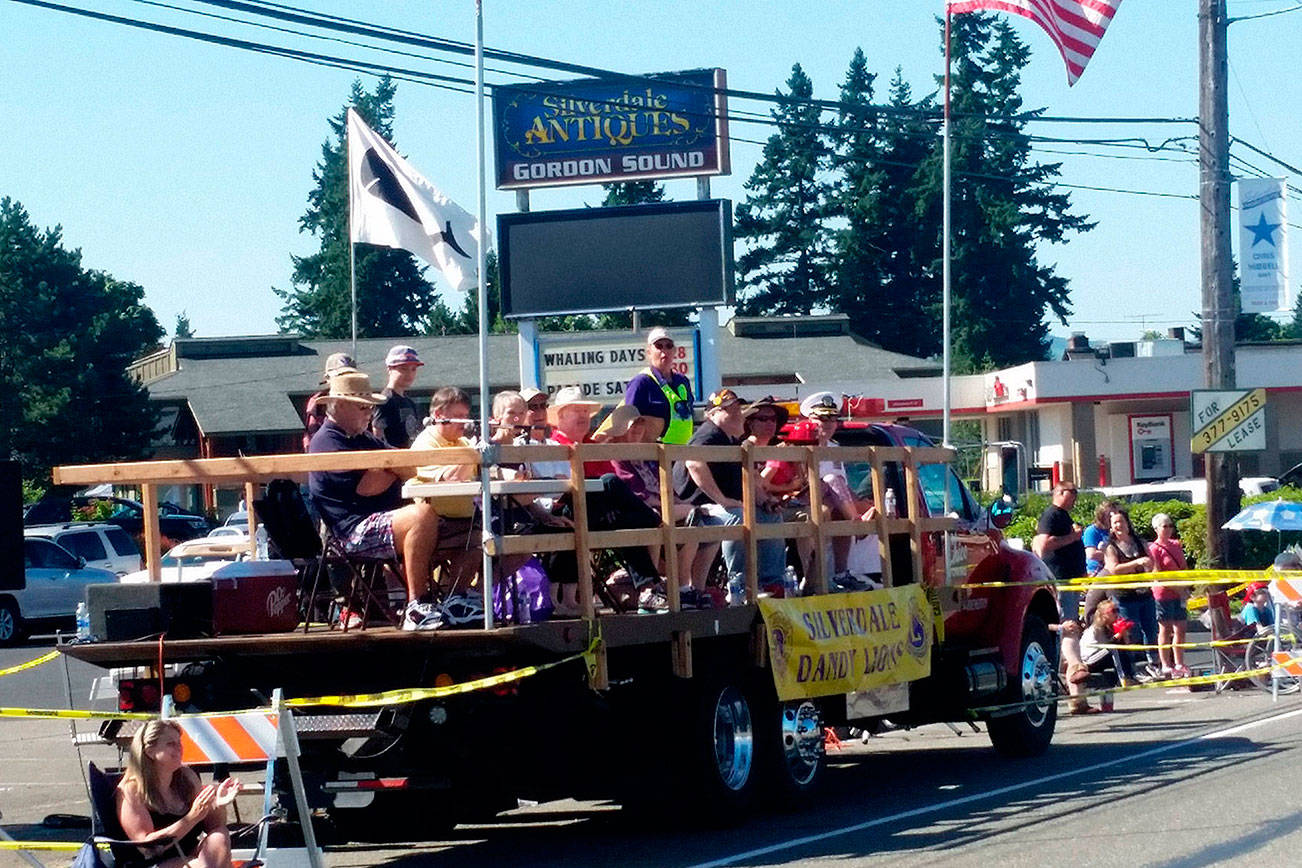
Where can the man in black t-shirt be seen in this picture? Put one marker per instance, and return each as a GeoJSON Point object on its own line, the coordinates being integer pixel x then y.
{"type": "Point", "coordinates": [364, 508]}
{"type": "Point", "coordinates": [1058, 543]}
{"type": "Point", "coordinates": [397, 421]}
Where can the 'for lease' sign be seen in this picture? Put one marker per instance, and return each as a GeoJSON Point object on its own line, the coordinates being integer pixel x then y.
{"type": "Point", "coordinates": [1228, 421]}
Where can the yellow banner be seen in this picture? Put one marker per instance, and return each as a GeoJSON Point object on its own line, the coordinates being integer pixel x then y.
{"type": "Point", "coordinates": [836, 643]}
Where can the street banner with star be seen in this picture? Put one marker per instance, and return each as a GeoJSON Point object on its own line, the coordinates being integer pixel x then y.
{"type": "Point", "coordinates": [1263, 246]}
{"type": "Point", "coordinates": [838, 643]}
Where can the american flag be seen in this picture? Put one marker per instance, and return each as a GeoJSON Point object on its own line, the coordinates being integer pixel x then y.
{"type": "Point", "coordinates": [1075, 26]}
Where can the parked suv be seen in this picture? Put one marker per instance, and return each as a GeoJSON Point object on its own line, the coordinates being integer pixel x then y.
{"type": "Point", "coordinates": [54, 582]}
{"type": "Point", "coordinates": [126, 514]}
{"type": "Point", "coordinates": [101, 545]}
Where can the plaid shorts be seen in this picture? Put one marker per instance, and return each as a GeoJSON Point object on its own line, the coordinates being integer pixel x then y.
{"type": "Point", "coordinates": [372, 537]}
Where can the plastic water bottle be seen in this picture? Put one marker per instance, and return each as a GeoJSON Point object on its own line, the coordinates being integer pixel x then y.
{"type": "Point", "coordinates": [736, 589]}
{"type": "Point", "coordinates": [790, 583]}
{"type": "Point", "coordinates": [1107, 703]}
{"type": "Point", "coordinates": [523, 612]}
{"type": "Point", "coordinates": [264, 552]}
{"type": "Point", "coordinates": [83, 622]}
{"type": "Point", "coordinates": [888, 503]}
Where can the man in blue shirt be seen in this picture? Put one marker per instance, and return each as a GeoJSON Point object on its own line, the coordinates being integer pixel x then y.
{"type": "Point", "coordinates": [660, 392]}
{"type": "Point", "coordinates": [364, 508]}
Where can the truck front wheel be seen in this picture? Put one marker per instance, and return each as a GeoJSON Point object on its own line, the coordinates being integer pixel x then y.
{"type": "Point", "coordinates": [722, 748]}
{"type": "Point", "coordinates": [1028, 729]}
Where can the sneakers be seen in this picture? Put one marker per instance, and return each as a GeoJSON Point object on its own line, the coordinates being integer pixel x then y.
{"type": "Point", "coordinates": [463, 610]}
{"type": "Point", "coordinates": [421, 616]}
{"type": "Point", "coordinates": [348, 619]}
{"type": "Point", "coordinates": [1181, 672]}
{"type": "Point", "coordinates": [690, 598]}
{"type": "Point", "coordinates": [652, 600]}
{"type": "Point", "coordinates": [847, 581]}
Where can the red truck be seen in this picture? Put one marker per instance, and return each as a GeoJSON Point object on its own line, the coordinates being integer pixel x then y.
{"type": "Point", "coordinates": [685, 704]}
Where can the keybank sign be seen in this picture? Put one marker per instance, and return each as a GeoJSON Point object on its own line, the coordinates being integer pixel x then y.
{"type": "Point", "coordinates": [593, 131]}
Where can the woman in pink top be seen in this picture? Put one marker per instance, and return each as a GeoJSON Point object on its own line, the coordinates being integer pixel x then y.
{"type": "Point", "coordinates": [1172, 614]}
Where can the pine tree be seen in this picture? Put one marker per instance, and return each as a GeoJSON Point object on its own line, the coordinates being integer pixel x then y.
{"type": "Point", "coordinates": [183, 328]}
{"type": "Point", "coordinates": [785, 267]}
{"type": "Point", "coordinates": [632, 193]}
{"type": "Point", "coordinates": [393, 297]}
{"type": "Point", "coordinates": [1003, 207]}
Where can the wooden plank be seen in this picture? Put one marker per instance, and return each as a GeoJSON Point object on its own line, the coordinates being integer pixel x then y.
{"type": "Point", "coordinates": [817, 569]}
{"type": "Point", "coordinates": [784, 530]}
{"type": "Point", "coordinates": [680, 650]}
{"type": "Point", "coordinates": [883, 526]}
{"type": "Point", "coordinates": [250, 490]}
{"type": "Point", "coordinates": [612, 451]}
{"type": "Point", "coordinates": [667, 530]}
{"type": "Point", "coordinates": [153, 538]}
{"type": "Point", "coordinates": [915, 512]}
{"type": "Point", "coordinates": [614, 539]}
{"type": "Point", "coordinates": [530, 544]}
{"type": "Point", "coordinates": [938, 523]}
{"type": "Point", "coordinates": [748, 523]}
{"type": "Point", "coordinates": [582, 551]}
{"type": "Point", "coordinates": [708, 534]}
{"type": "Point", "coordinates": [703, 453]}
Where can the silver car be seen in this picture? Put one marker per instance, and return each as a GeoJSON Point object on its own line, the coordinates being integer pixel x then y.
{"type": "Point", "coordinates": [99, 544]}
{"type": "Point", "coordinates": [54, 583]}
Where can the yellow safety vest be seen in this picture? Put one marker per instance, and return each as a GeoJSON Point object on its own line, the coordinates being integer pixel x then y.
{"type": "Point", "coordinates": [679, 429]}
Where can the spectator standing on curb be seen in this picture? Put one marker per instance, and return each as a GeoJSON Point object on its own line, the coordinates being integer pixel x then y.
{"type": "Point", "coordinates": [1172, 612]}
{"type": "Point", "coordinates": [397, 421]}
{"type": "Point", "coordinates": [661, 392]}
{"type": "Point", "coordinates": [315, 411]}
{"type": "Point", "coordinates": [1058, 543]}
{"type": "Point", "coordinates": [1095, 535]}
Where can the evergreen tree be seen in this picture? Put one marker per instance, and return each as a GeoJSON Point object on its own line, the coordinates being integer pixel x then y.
{"type": "Point", "coordinates": [393, 297]}
{"type": "Point", "coordinates": [1003, 207]}
{"type": "Point", "coordinates": [632, 193]}
{"type": "Point", "coordinates": [67, 336]}
{"type": "Point", "coordinates": [785, 266]}
{"type": "Point", "coordinates": [183, 328]}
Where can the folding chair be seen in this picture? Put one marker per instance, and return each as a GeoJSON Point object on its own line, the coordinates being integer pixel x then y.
{"type": "Point", "coordinates": [290, 528]}
{"type": "Point", "coordinates": [1226, 660]}
{"type": "Point", "coordinates": [106, 829]}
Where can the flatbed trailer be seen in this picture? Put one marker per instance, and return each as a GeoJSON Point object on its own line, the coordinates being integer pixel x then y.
{"type": "Point", "coordinates": [681, 702]}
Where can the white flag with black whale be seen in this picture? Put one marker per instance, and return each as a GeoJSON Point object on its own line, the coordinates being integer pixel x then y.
{"type": "Point", "coordinates": [392, 205]}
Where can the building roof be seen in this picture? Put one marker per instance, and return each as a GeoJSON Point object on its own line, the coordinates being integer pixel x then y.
{"type": "Point", "coordinates": [246, 385]}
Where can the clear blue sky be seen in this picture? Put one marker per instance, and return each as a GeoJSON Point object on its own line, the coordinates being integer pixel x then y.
{"type": "Point", "coordinates": [185, 167]}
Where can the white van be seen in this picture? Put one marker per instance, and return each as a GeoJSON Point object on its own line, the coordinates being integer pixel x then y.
{"type": "Point", "coordinates": [1185, 490]}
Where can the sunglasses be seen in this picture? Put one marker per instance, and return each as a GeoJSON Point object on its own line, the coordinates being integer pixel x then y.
{"type": "Point", "coordinates": [764, 418]}
{"type": "Point", "coordinates": [663, 345]}
{"type": "Point", "coordinates": [537, 405]}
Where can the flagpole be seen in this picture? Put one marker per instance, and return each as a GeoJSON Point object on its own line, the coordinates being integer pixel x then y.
{"type": "Point", "coordinates": [352, 255]}
{"type": "Point", "coordinates": [482, 257]}
{"type": "Point", "coordinates": [945, 252]}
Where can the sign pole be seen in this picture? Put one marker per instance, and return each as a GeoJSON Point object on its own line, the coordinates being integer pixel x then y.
{"type": "Point", "coordinates": [486, 574]}
{"type": "Point", "coordinates": [1218, 314]}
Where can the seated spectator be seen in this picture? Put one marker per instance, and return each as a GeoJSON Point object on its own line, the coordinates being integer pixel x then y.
{"type": "Point", "coordinates": [314, 413]}
{"type": "Point", "coordinates": [715, 489]}
{"type": "Point", "coordinates": [570, 415]}
{"type": "Point", "coordinates": [838, 500]}
{"type": "Point", "coordinates": [1258, 611]}
{"type": "Point", "coordinates": [510, 418]}
{"type": "Point", "coordinates": [449, 417]}
{"type": "Point", "coordinates": [363, 508]}
{"type": "Point", "coordinates": [397, 421]}
{"type": "Point", "coordinates": [539, 434]}
{"type": "Point", "coordinates": [661, 392]}
{"type": "Point", "coordinates": [160, 801]}
{"type": "Point", "coordinates": [1106, 628]}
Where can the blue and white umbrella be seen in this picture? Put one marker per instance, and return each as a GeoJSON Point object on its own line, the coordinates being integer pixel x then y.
{"type": "Point", "coordinates": [1276, 515]}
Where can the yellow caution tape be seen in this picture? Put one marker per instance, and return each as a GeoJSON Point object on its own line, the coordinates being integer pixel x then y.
{"type": "Point", "coordinates": [1181, 578]}
{"type": "Point", "coordinates": [30, 664]}
{"type": "Point", "coordinates": [1214, 643]}
{"type": "Point", "coordinates": [79, 714]}
{"type": "Point", "coordinates": [52, 846]}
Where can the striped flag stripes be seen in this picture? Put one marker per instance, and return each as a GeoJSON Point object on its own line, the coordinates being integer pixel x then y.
{"type": "Point", "coordinates": [1075, 26]}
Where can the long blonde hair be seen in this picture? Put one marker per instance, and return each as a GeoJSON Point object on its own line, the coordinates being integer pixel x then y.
{"type": "Point", "coordinates": [140, 772]}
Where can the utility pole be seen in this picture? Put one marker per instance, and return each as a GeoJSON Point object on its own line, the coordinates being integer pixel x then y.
{"type": "Point", "coordinates": [1217, 279]}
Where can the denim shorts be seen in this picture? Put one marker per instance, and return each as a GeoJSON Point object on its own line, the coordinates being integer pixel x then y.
{"type": "Point", "coordinates": [372, 537]}
{"type": "Point", "coordinates": [1172, 610]}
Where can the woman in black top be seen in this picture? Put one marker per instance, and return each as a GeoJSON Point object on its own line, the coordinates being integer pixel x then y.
{"type": "Point", "coordinates": [1126, 556]}
{"type": "Point", "coordinates": [161, 801]}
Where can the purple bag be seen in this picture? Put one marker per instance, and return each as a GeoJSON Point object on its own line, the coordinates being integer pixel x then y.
{"type": "Point", "coordinates": [532, 589]}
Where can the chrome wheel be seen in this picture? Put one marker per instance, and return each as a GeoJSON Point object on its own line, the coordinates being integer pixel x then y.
{"type": "Point", "coordinates": [734, 738]}
{"type": "Point", "coordinates": [801, 731]}
{"type": "Point", "coordinates": [8, 624]}
{"type": "Point", "coordinates": [1037, 682]}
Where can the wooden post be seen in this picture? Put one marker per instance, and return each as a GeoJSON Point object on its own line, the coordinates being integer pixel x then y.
{"type": "Point", "coordinates": [748, 524]}
{"type": "Point", "coordinates": [818, 571]}
{"type": "Point", "coordinates": [883, 534]}
{"type": "Point", "coordinates": [153, 542]}
{"type": "Point", "coordinates": [672, 579]}
{"type": "Point", "coordinates": [250, 490]}
{"type": "Point", "coordinates": [680, 650]}
{"type": "Point", "coordinates": [915, 514]}
{"type": "Point", "coordinates": [582, 555]}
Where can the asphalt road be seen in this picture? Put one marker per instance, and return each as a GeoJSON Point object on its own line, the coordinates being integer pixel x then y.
{"type": "Point", "coordinates": [1171, 779]}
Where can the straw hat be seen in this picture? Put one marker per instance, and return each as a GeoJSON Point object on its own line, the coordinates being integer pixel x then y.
{"type": "Point", "coordinates": [353, 386]}
{"type": "Point", "coordinates": [571, 396]}
{"type": "Point", "coordinates": [619, 421]}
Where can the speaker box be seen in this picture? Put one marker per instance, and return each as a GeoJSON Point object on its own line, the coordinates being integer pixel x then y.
{"type": "Point", "coordinates": [125, 612]}
{"type": "Point", "coordinates": [11, 527]}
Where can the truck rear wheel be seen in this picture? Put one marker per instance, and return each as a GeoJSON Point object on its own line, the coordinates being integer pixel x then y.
{"type": "Point", "coordinates": [1028, 730]}
{"type": "Point", "coordinates": [791, 749]}
{"type": "Point", "coordinates": [720, 751]}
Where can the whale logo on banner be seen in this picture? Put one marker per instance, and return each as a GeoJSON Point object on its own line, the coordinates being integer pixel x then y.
{"type": "Point", "coordinates": [392, 205]}
{"type": "Point", "coordinates": [1263, 246]}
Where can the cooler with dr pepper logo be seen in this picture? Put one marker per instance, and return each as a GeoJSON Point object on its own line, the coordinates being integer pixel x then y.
{"type": "Point", "coordinates": [254, 597]}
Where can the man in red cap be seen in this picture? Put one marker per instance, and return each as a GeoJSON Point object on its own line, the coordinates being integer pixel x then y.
{"type": "Point", "coordinates": [396, 421]}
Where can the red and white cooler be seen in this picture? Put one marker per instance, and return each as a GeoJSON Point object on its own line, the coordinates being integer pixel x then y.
{"type": "Point", "coordinates": [255, 597]}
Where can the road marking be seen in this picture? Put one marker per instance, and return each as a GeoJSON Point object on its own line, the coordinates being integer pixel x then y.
{"type": "Point", "coordinates": [998, 791]}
